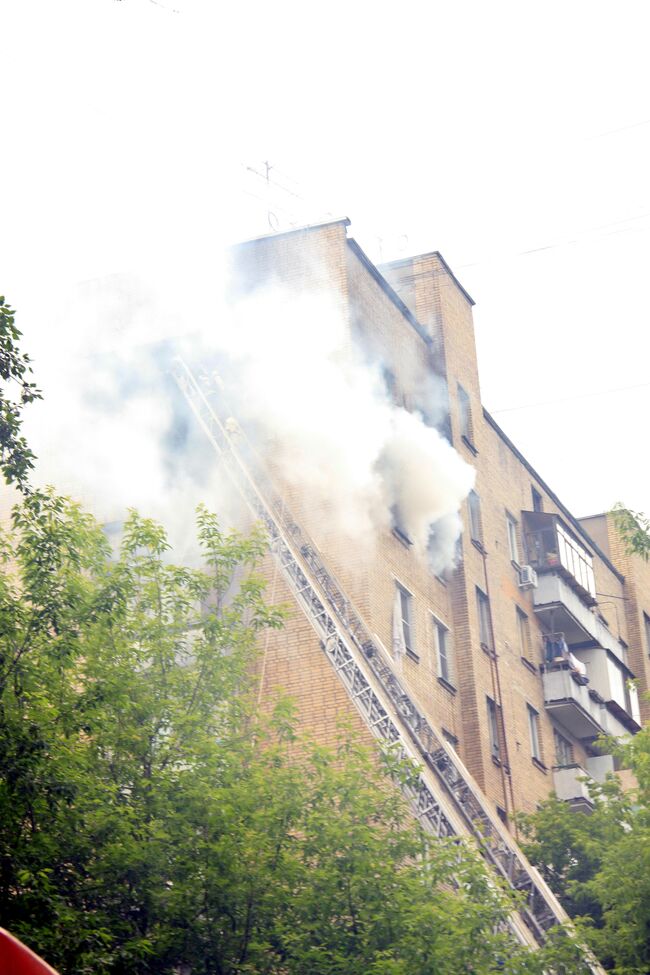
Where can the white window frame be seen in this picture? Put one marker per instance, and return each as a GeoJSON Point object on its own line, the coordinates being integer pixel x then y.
{"type": "Point", "coordinates": [513, 543]}
{"type": "Point", "coordinates": [465, 414]}
{"type": "Point", "coordinates": [406, 617]}
{"type": "Point", "coordinates": [646, 631]}
{"type": "Point", "coordinates": [493, 728]}
{"type": "Point", "coordinates": [534, 733]}
{"type": "Point", "coordinates": [444, 651]}
{"type": "Point", "coordinates": [451, 739]}
{"type": "Point", "coordinates": [523, 633]}
{"type": "Point", "coordinates": [483, 612]}
{"type": "Point", "coordinates": [474, 516]}
{"type": "Point", "coordinates": [559, 743]}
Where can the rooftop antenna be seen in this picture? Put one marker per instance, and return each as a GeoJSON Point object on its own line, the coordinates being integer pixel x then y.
{"type": "Point", "coordinates": [286, 206]}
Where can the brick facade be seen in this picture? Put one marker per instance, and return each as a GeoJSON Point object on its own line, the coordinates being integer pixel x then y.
{"type": "Point", "coordinates": [416, 318]}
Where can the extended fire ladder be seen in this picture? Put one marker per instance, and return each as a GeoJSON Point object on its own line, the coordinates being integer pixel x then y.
{"type": "Point", "coordinates": [444, 798]}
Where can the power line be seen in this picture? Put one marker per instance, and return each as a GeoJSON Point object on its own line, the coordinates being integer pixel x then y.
{"type": "Point", "coordinates": [622, 128]}
{"type": "Point", "coordinates": [566, 399]}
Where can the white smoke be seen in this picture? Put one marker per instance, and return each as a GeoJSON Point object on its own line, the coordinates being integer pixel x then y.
{"type": "Point", "coordinates": [322, 414]}
{"type": "Point", "coordinates": [114, 431]}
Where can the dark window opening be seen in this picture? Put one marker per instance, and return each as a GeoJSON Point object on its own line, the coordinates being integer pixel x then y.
{"type": "Point", "coordinates": [493, 728]}
{"type": "Point", "coordinates": [398, 526]}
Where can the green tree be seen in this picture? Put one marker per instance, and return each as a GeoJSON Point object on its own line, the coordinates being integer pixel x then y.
{"type": "Point", "coordinates": [16, 459]}
{"type": "Point", "coordinates": [634, 529]}
{"type": "Point", "coordinates": [599, 864]}
{"type": "Point", "coordinates": [150, 819]}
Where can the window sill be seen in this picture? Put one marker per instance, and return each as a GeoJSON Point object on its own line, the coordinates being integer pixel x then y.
{"type": "Point", "coordinates": [479, 546]}
{"type": "Point", "coordinates": [401, 537]}
{"type": "Point", "coordinates": [413, 656]}
{"type": "Point", "coordinates": [470, 446]}
{"type": "Point", "coordinates": [529, 665]}
{"type": "Point", "coordinates": [486, 649]}
{"type": "Point", "coordinates": [447, 686]}
{"type": "Point", "coordinates": [539, 765]}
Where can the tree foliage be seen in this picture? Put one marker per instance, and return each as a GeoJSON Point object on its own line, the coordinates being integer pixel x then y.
{"type": "Point", "coordinates": [634, 529]}
{"type": "Point", "coordinates": [599, 864]}
{"type": "Point", "coordinates": [151, 822]}
{"type": "Point", "coordinates": [16, 390]}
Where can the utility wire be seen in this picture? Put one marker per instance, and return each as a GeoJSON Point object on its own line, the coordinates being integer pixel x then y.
{"type": "Point", "coordinates": [566, 399]}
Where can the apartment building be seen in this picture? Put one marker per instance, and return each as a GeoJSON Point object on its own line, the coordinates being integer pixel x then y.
{"type": "Point", "coordinates": [537, 640]}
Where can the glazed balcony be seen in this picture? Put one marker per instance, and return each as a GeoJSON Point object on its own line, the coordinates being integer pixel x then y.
{"type": "Point", "coordinates": [552, 547]}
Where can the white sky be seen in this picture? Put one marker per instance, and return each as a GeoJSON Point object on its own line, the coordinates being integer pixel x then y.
{"type": "Point", "coordinates": [513, 137]}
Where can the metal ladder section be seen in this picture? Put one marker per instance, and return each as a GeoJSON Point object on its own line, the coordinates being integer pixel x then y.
{"type": "Point", "coordinates": [445, 799]}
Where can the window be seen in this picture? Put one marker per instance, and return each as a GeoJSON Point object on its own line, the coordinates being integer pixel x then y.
{"type": "Point", "coordinates": [538, 501]}
{"type": "Point", "coordinates": [484, 628]}
{"type": "Point", "coordinates": [390, 383]}
{"type": "Point", "coordinates": [405, 603]}
{"type": "Point", "coordinates": [493, 728]}
{"type": "Point", "coordinates": [533, 728]}
{"type": "Point", "coordinates": [523, 632]}
{"type": "Point", "coordinates": [474, 511]}
{"type": "Point", "coordinates": [465, 415]}
{"type": "Point", "coordinates": [646, 627]}
{"type": "Point", "coordinates": [563, 749]}
{"type": "Point", "coordinates": [444, 427]}
{"type": "Point", "coordinates": [398, 526]}
{"type": "Point", "coordinates": [442, 643]}
{"type": "Point", "coordinates": [450, 739]}
{"type": "Point", "coordinates": [513, 547]}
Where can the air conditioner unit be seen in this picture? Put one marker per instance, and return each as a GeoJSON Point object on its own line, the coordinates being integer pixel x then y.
{"type": "Point", "coordinates": [527, 577]}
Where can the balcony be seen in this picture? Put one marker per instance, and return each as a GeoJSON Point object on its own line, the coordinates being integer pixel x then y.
{"type": "Point", "coordinates": [613, 681]}
{"type": "Point", "coordinates": [571, 704]}
{"type": "Point", "coordinates": [552, 547]}
{"type": "Point", "coordinates": [600, 766]}
{"type": "Point", "coordinates": [569, 785]}
{"type": "Point", "coordinates": [573, 783]}
{"type": "Point", "coordinates": [577, 639]}
{"type": "Point", "coordinates": [559, 608]}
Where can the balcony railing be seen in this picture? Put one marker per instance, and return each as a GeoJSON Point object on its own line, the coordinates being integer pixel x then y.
{"type": "Point", "coordinates": [559, 607]}
{"type": "Point", "coordinates": [571, 784]}
{"type": "Point", "coordinates": [568, 699]}
{"type": "Point", "coordinates": [580, 708]}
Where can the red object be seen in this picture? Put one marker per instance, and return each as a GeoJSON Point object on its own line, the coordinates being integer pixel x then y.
{"type": "Point", "coordinates": [17, 959]}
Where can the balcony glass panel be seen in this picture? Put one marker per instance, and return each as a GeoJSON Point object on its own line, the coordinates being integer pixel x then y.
{"type": "Point", "coordinates": [551, 546]}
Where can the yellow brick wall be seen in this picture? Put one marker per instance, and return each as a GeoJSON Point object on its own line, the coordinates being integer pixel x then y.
{"type": "Point", "coordinates": [295, 661]}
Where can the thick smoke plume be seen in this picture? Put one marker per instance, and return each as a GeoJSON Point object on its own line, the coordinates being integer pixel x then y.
{"type": "Point", "coordinates": [114, 430]}
{"type": "Point", "coordinates": [321, 412]}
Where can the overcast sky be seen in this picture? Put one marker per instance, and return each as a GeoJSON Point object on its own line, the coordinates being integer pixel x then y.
{"type": "Point", "coordinates": [513, 137]}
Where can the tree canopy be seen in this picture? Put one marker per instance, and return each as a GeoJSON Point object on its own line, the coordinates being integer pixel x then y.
{"type": "Point", "coordinates": [151, 821]}
{"type": "Point", "coordinates": [16, 390]}
{"type": "Point", "coordinates": [634, 529]}
{"type": "Point", "coordinates": [599, 864]}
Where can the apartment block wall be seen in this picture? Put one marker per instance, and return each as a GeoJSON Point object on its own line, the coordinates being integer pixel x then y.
{"type": "Point", "coordinates": [634, 607]}
{"type": "Point", "coordinates": [415, 320]}
{"type": "Point", "coordinates": [292, 665]}
{"type": "Point", "coordinates": [511, 675]}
